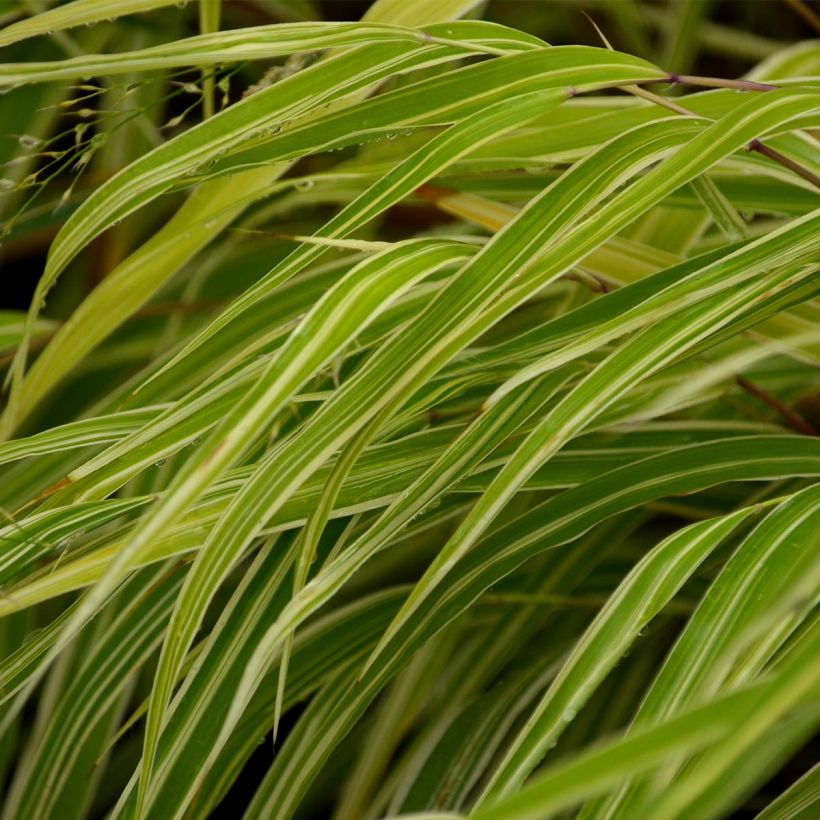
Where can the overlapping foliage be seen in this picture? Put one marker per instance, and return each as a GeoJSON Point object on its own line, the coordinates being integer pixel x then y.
{"type": "Point", "coordinates": [443, 418]}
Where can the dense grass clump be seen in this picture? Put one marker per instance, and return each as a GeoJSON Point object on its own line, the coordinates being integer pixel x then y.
{"type": "Point", "coordinates": [413, 415]}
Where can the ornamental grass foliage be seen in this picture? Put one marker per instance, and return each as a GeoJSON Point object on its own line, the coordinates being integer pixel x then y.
{"type": "Point", "coordinates": [411, 409]}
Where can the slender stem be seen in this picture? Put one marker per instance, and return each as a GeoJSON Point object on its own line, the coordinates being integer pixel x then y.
{"type": "Point", "coordinates": [209, 17]}
{"type": "Point", "coordinates": [767, 151]}
{"type": "Point", "coordinates": [807, 13]}
{"type": "Point", "coordinates": [658, 100]}
{"type": "Point", "coordinates": [793, 419]}
{"type": "Point", "coordinates": [719, 82]}
{"type": "Point", "coordinates": [714, 82]}
{"type": "Point", "coordinates": [754, 145]}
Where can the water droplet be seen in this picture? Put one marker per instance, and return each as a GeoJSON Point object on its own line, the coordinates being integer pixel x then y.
{"type": "Point", "coordinates": [391, 135]}
{"type": "Point", "coordinates": [569, 714]}
{"type": "Point", "coordinates": [196, 442]}
{"type": "Point", "coordinates": [161, 462]}
{"type": "Point", "coordinates": [303, 184]}
{"type": "Point", "coordinates": [7, 185]}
